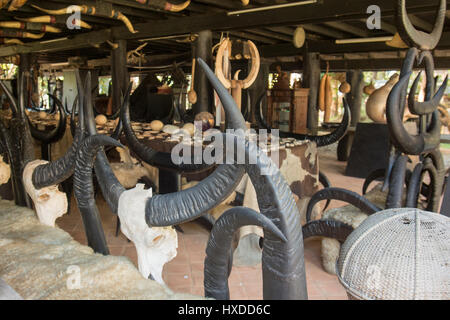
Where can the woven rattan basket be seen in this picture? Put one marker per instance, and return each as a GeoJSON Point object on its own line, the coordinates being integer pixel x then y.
{"type": "Point", "coordinates": [397, 254]}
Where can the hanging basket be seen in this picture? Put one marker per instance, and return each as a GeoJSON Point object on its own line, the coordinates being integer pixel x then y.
{"type": "Point", "coordinates": [397, 254]}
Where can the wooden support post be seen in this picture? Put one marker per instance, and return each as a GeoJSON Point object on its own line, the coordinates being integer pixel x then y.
{"type": "Point", "coordinates": [202, 48]}
{"type": "Point", "coordinates": [354, 97]}
{"type": "Point", "coordinates": [255, 91]}
{"type": "Point", "coordinates": [311, 80]}
{"type": "Point", "coordinates": [18, 131]}
{"type": "Point", "coordinates": [119, 73]}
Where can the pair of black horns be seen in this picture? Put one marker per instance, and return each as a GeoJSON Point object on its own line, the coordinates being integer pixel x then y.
{"type": "Point", "coordinates": [416, 38]}
{"type": "Point", "coordinates": [342, 195]}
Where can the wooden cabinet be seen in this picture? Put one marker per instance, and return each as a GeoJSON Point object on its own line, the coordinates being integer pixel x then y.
{"type": "Point", "coordinates": [288, 109]}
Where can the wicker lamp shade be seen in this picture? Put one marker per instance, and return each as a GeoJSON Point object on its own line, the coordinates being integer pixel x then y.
{"type": "Point", "coordinates": [397, 254]}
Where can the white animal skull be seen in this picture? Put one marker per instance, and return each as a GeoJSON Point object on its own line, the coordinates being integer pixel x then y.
{"type": "Point", "coordinates": [155, 246]}
{"type": "Point", "coordinates": [5, 171]}
{"type": "Point", "coordinates": [49, 202]}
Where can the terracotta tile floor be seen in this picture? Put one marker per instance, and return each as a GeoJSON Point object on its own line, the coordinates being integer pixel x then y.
{"type": "Point", "coordinates": [185, 272]}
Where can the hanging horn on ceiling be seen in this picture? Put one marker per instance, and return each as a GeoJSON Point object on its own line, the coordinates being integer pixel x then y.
{"type": "Point", "coordinates": [53, 20]}
{"type": "Point", "coordinates": [32, 26]}
{"type": "Point", "coordinates": [10, 41]}
{"type": "Point", "coordinates": [416, 38]}
{"type": "Point", "coordinates": [342, 195]}
{"type": "Point", "coordinates": [20, 34]}
{"type": "Point", "coordinates": [89, 11]}
{"type": "Point", "coordinates": [165, 5]}
{"type": "Point", "coordinates": [253, 73]}
{"type": "Point", "coordinates": [403, 140]}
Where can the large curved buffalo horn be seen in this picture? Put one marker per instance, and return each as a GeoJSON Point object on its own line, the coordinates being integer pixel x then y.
{"type": "Point", "coordinates": [29, 26]}
{"type": "Point", "coordinates": [175, 208]}
{"type": "Point", "coordinates": [67, 10]}
{"type": "Point", "coordinates": [252, 74]}
{"type": "Point", "coordinates": [396, 182]}
{"type": "Point", "coordinates": [343, 195]}
{"type": "Point", "coordinates": [117, 130]}
{"type": "Point", "coordinates": [438, 162]}
{"type": "Point", "coordinates": [435, 187]}
{"type": "Point", "coordinates": [176, 7]}
{"type": "Point", "coordinates": [412, 195]}
{"type": "Point", "coordinates": [115, 115]}
{"type": "Point", "coordinates": [234, 118]}
{"type": "Point", "coordinates": [326, 139]}
{"type": "Point", "coordinates": [323, 179]}
{"type": "Point", "coordinates": [219, 65]}
{"type": "Point", "coordinates": [55, 134]}
{"type": "Point", "coordinates": [54, 20]}
{"type": "Point", "coordinates": [327, 228]}
{"type": "Point", "coordinates": [321, 141]}
{"type": "Point", "coordinates": [374, 175]}
{"type": "Point", "coordinates": [110, 186]}
{"type": "Point", "coordinates": [59, 170]}
{"type": "Point", "coordinates": [114, 14]}
{"type": "Point", "coordinates": [218, 261]}
{"type": "Point", "coordinates": [325, 182]}
{"type": "Point", "coordinates": [166, 5]}
{"type": "Point", "coordinates": [120, 16]}
{"type": "Point", "coordinates": [431, 81]}
{"type": "Point", "coordinates": [393, 154]}
{"type": "Point", "coordinates": [428, 106]}
{"type": "Point", "coordinates": [84, 190]}
{"type": "Point", "coordinates": [148, 154]}
{"type": "Point", "coordinates": [405, 142]}
{"type": "Point", "coordinates": [254, 70]}
{"type": "Point", "coordinates": [282, 261]}
{"type": "Point", "coordinates": [407, 66]}
{"type": "Point", "coordinates": [415, 38]}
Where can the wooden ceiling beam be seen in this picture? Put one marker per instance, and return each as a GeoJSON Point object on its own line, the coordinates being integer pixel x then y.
{"type": "Point", "coordinates": [420, 23]}
{"type": "Point", "coordinates": [129, 11]}
{"type": "Point", "coordinates": [324, 31]}
{"type": "Point", "coordinates": [342, 65]}
{"type": "Point", "coordinates": [385, 26]}
{"type": "Point", "coordinates": [283, 30]}
{"type": "Point", "coordinates": [347, 28]}
{"type": "Point", "coordinates": [269, 34]}
{"type": "Point", "coordinates": [324, 11]}
{"type": "Point", "coordinates": [329, 47]}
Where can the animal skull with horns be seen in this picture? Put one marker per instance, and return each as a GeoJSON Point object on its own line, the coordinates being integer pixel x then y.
{"type": "Point", "coordinates": [38, 178]}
